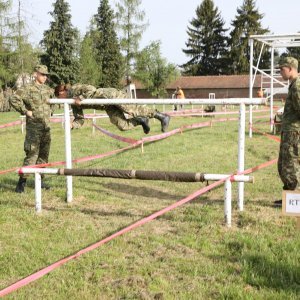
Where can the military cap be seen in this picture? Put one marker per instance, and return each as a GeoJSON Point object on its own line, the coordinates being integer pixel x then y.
{"type": "Point", "coordinates": [41, 69]}
{"type": "Point", "coordinates": [288, 61]}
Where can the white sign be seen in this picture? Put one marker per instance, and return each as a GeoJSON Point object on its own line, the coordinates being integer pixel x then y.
{"type": "Point", "coordinates": [291, 203]}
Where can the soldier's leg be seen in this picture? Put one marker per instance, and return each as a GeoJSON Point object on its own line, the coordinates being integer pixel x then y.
{"type": "Point", "coordinates": [288, 162]}
{"type": "Point", "coordinates": [32, 145]}
{"type": "Point", "coordinates": [137, 110]}
{"type": "Point", "coordinates": [117, 117]}
{"type": "Point", "coordinates": [78, 117]}
{"type": "Point", "coordinates": [44, 153]}
{"type": "Point", "coordinates": [31, 148]}
{"type": "Point", "coordinates": [145, 111]}
{"type": "Point", "coordinates": [45, 143]}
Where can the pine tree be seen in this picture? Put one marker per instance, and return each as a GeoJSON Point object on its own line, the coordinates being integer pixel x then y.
{"type": "Point", "coordinates": [206, 44]}
{"type": "Point", "coordinates": [109, 56]}
{"type": "Point", "coordinates": [294, 52]}
{"type": "Point", "coordinates": [60, 44]}
{"type": "Point", "coordinates": [89, 71]}
{"type": "Point", "coordinates": [246, 23]}
{"type": "Point", "coordinates": [131, 27]}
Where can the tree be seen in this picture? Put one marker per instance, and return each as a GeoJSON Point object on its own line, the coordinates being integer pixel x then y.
{"type": "Point", "coordinates": [295, 52]}
{"type": "Point", "coordinates": [16, 55]}
{"type": "Point", "coordinates": [130, 24]}
{"type": "Point", "coordinates": [60, 45]}
{"type": "Point", "coordinates": [246, 23]}
{"type": "Point", "coordinates": [206, 44]}
{"type": "Point", "coordinates": [6, 76]}
{"type": "Point", "coordinates": [154, 71]}
{"type": "Point", "coordinates": [89, 70]}
{"type": "Point", "coordinates": [109, 56]}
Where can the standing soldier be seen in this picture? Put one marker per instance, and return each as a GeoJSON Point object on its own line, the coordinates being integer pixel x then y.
{"type": "Point", "coordinates": [31, 101]}
{"type": "Point", "coordinates": [138, 114]}
{"type": "Point", "coordinates": [289, 160]}
{"type": "Point", "coordinates": [179, 94]}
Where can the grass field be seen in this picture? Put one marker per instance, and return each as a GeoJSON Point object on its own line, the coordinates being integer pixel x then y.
{"type": "Point", "coordinates": [187, 253]}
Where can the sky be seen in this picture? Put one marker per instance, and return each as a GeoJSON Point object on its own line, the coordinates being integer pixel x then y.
{"type": "Point", "coordinates": [168, 19]}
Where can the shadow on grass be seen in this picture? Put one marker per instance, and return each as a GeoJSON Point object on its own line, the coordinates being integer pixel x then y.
{"type": "Point", "coordinates": [263, 272]}
{"type": "Point", "coordinates": [277, 275]}
{"type": "Point", "coordinates": [8, 184]}
{"type": "Point", "coordinates": [143, 191]}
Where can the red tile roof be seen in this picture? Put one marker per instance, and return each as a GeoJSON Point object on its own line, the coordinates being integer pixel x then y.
{"type": "Point", "coordinates": [213, 82]}
{"type": "Point", "coordinates": [222, 81]}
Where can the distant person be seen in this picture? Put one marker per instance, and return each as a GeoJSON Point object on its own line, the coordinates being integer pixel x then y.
{"type": "Point", "coordinates": [289, 159]}
{"type": "Point", "coordinates": [31, 101]}
{"type": "Point", "coordinates": [178, 94]}
{"type": "Point", "coordinates": [138, 114]}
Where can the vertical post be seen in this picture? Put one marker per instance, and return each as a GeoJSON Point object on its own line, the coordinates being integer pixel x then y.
{"type": "Point", "coordinates": [68, 152]}
{"type": "Point", "coordinates": [94, 123]}
{"type": "Point", "coordinates": [22, 123]}
{"type": "Point", "coordinates": [241, 154]}
{"type": "Point", "coordinates": [272, 90]}
{"type": "Point", "coordinates": [227, 202]}
{"type": "Point", "coordinates": [251, 86]}
{"type": "Point", "coordinates": [38, 192]}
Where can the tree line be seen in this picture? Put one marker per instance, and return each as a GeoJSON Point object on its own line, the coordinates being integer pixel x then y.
{"type": "Point", "coordinates": [108, 54]}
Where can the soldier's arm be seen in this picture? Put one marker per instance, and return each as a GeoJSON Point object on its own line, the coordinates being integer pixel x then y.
{"type": "Point", "coordinates": [16, 100]}
{"type": "Point", "coordinates": [296, 97]}
{"type": "Point", "coordinates": [53, 107]}
{"type": "Point", "coordinates": [83, 91]}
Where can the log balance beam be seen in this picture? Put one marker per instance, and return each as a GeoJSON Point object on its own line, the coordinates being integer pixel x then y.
{"type": "Point", "coordinates": [142, 175]}
{"type": "Point", "coordinates": [137, 174]}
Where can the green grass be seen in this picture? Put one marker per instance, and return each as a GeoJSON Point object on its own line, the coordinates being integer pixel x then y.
{"type": "Point", "coordinates": [187, 253]}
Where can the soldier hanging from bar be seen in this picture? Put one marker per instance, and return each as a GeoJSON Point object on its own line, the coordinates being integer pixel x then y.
{"type": "Point", "coordinates": [138, 114]}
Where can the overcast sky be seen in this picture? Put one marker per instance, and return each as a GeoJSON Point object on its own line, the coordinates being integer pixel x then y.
{"type": "Point", "coordinates": [168, 19]}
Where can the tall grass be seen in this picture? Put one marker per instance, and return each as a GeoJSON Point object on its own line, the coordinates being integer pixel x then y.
{"type": "Point", "coordinates": [187, 253]}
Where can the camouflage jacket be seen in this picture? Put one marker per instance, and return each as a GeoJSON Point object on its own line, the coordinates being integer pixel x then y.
{"type": "Point", "coordinates": [86, 91]}
{"type": "Point", "coordinates": [291, 114]}
{"type": "Point", "coordinates": [33, 97]}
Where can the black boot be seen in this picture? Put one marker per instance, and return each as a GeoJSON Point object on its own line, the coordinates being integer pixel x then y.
{"type": "Point", "coordinates": [144, 122]}
{"type": "Point", "coordinates": [45, 185]}
{"type": "Point", "coordinates": [21, 185]}
{"type": "Point", "coordinates": [164, 120]}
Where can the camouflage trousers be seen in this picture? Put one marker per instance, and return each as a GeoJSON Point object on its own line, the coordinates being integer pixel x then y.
{"type": "Point", "coordinates": [37, 144]}
{"type": "Point", "coordinates": [117, 114]}
{"type": "Point", "coordinates": [289, 161]}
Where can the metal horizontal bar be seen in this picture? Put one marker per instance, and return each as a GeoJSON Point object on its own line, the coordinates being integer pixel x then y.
{"type": "Point", "coordinates": [246, 101]}
{"type": "Point", "coordinates": [276, 36]}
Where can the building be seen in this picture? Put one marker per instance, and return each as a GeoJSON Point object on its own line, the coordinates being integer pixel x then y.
{"type": "Point", "coordinates": [199, 87]}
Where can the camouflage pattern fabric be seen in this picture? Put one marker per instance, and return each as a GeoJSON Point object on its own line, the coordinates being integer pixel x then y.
{"type": "Point", "coordinates": [291, 114]}
{"type": "Point", "coordinates": [288, 160]}
{"type": "Point", "coordinates": [33, 97]}
{"type": "Point", "coordinates": [38, 139]}
{"type": "Point", "coordinates": [37, 145]}
{"type": "Point", "coordinates": [116, 113]}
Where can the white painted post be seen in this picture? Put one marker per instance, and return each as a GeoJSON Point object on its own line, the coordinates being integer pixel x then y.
{"type": "Point", "coordinates": [22, 123]}
{"type": "Point", "coordinates": [94, 123]}
{"type": "Point", "coordinates": [68, 152]}
{"type": "Point", "coordinates": [251, 86]}
{"type": "Point", "coordinates": [272, 90]}
{"type": "Point", "coordinates": [241, 154]}
{"type": "Point", "coordinates": [227, 202]}
{"type": "Point", "coordinates": [38, 192]}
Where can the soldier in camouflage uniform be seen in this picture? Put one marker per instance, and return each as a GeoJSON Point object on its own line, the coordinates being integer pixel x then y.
{"type": "Point", "coordinates": [289, 160]}
{"type": "Point", "coordinates": [138, 114]}
{"type": "Point", "coordinates": [31, 101]}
